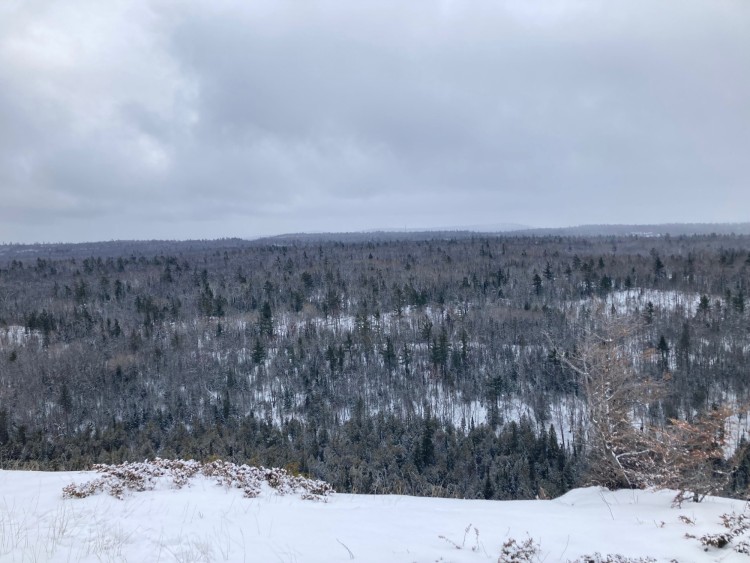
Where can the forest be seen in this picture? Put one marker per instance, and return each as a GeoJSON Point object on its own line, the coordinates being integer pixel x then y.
{"type": "Point", "coordinates": [436, 364]}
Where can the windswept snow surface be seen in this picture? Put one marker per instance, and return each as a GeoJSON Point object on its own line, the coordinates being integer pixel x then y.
{"type": "Point", "coordinates": [206, 522]}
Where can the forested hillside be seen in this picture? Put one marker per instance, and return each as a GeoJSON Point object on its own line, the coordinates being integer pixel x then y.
{"type": "Point", "coordinates": [438, 366]}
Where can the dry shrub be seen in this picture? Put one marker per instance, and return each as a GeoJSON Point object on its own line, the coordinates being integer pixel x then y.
{"type": "Point", "coordinates": [612, 558]}
{"type": "Point", "coordinates": [144, 476]}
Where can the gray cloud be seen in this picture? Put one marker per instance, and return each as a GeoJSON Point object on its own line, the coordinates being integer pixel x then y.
{"type": "Point", "coordinates": [169, 119]}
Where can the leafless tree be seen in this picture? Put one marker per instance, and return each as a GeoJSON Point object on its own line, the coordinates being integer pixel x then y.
{"type": "Point", "coordinates": [626, 447]}
{"type": "Point", "coordinates": [623, 449]}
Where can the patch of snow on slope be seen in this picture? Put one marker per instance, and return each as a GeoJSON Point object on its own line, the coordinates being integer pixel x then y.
{"type": "Point", "coordinates": [628, 301]}
{"type": "Point", "coordinates": [15, 335]}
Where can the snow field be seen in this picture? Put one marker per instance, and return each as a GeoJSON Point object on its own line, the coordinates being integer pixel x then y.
{"type": "Point", "coordinates": [206, 522]}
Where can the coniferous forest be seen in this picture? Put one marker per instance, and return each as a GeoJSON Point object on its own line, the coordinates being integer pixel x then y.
{"type": "Point", "coordinates": [433, 364]}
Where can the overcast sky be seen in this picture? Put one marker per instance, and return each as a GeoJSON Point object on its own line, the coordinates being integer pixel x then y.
{"type": "Point", "coordinates": [169, 119]}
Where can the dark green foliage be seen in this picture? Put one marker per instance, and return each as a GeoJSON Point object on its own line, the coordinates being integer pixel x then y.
{"type": "Point", "coordinates": [4, 434]}
{"type": "Point", "coordinates": [265, 324]}
{"type": "Point", "coordinates": [259, 352]}
{"type": "Point", "coordinates": [537, 281]}
{"type": "Point", "coordinates": [365, 455]}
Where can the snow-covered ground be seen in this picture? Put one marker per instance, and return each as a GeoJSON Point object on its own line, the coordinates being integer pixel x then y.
{"type": "Point", "coordinates": [208, 522]}
{"type": "Point", "coordinates": [15, 335]}
{"type": "Point", "coordinates": [628, 301]}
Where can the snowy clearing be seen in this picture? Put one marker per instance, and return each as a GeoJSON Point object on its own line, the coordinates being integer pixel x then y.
{"type": "Point", "coordinates": [207, 522]}
{"type": "Point", "coordinates": [629, 301]}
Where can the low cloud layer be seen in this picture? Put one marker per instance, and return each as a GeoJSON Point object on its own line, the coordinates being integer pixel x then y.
{"type": "Point", "coordinates": [167, 119]}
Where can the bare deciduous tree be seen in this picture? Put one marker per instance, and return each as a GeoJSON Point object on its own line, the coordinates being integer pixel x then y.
{"type": "Point", "coordinates": [622, 446]}
{"type": "Point", "coordinates": [626, 448]}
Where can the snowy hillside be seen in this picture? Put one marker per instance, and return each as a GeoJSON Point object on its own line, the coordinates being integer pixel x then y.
{"type": "Point", "coordinates": [204, 521]}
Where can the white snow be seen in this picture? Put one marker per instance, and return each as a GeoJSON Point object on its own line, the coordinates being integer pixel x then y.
{"type": "Point", "coordinates": [627, 301]}
{"type": "Point", "coordinates": [15, 335]}
{"type": "Point", "coordinates": [206, 522]}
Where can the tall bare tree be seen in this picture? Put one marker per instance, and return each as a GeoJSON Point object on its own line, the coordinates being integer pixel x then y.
{"type": "Point", "coordinates": [623, 448]}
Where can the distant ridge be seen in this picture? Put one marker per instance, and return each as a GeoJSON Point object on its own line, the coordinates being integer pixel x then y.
{"type": "Point", "coordinates": [374, 236]}
{"type": "Point", "coordinates": [675, 229]}
{"type": "Point", "coordinates": [114, 248]}
{"type": "Point", "coordinates": [463, 231]}
{"type": "Point", "coordinates": [477, 228]}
